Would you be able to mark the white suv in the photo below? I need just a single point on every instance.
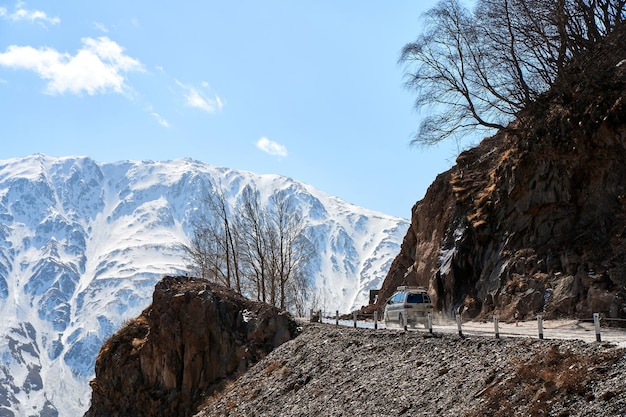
(408, 303)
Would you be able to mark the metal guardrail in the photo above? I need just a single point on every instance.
(469, 327)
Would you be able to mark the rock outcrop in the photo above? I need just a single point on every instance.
(533, 219)
(192, 337)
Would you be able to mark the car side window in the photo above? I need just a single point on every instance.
(415, 299)
(396, 298)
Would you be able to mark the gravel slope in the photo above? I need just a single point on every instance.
(339, 371)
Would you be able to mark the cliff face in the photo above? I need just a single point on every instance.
(533, 219)
(193, 336)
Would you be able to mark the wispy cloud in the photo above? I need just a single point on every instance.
(160, 120)
(197, 99)
(271, 147)
(101, 27)
(98, 67)
(34, 16)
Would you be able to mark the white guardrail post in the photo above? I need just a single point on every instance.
(496, 328)
(596, 324)
(459, 323)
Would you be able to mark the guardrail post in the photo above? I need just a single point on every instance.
(430, 323)
(354, 318)
(540, 325)
(596, 324)
(336, 317)
(319, 312)
(496, 327)
(459, 324)
(375, 320)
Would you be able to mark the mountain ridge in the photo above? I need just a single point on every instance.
(82, 244)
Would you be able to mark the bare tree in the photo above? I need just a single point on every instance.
(202, 253)
(261, 250)
(213, 245)
(277, 250)
(289, 249)
(477, 69)
(252, 227)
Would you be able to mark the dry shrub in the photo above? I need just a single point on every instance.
(516, 284)
(533, 387)
(231, 404)
(276, 365)
(273, 365)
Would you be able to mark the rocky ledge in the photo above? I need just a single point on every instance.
(193, 337)
(339, 371)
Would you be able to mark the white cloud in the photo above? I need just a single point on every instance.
(101, 27)
(97, 67)
(160, 120)
(195, 98)
(271, 147)
(34, 16)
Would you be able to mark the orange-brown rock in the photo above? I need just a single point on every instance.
(193, 336)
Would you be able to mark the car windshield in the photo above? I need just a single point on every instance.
(415, 299)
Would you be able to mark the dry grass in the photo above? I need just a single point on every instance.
(276, 366)
(127, 338)
(516, 284)
(273, 365)
(533, 387)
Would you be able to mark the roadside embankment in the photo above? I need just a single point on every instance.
(342, 371)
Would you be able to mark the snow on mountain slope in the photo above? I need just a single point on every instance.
(82, 245)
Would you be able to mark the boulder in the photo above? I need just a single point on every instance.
(192, 337)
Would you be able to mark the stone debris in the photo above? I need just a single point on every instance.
(342, 371)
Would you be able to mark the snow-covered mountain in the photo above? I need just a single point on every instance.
(82, 245)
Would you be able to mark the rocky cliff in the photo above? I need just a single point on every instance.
(533, 219)
(194, 336)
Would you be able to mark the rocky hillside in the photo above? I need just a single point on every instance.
(203, 350)
(533, 218)
(329, 371)
(191, 338)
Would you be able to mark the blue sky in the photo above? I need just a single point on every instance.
(307, 89)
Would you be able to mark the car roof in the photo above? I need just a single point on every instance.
(411, 289)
